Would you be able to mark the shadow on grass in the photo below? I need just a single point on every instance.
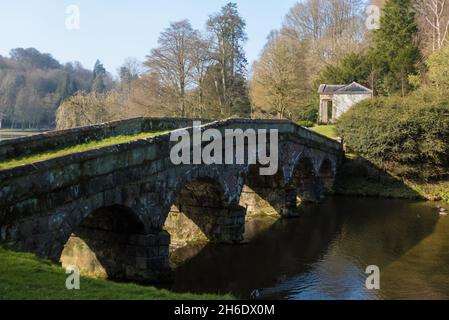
(359, 177)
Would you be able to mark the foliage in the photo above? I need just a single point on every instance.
(195, 74)
(438, 64)
(23, 276)
(306, 124)
(277, 85)
(409, 136)
(33, 84)
(445, 196)
(227, 33)
(353, 67)
(396, 53)
(85, 109)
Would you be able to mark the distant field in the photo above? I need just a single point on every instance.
(328, 131)
(6, 134)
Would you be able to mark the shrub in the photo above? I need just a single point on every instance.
(306, 123)
(407, 136)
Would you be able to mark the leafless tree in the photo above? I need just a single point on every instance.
(172, 60)
(435, 13)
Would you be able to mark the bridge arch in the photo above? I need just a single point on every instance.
(304, 180)
(326, 175)
(101, 244)
(202, 211)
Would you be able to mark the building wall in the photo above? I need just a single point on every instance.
(343, 102)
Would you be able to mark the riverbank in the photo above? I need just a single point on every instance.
(359, 177)
(25, 277)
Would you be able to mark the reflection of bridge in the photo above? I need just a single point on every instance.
(117, 199)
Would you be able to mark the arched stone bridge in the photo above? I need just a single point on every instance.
(117, 199)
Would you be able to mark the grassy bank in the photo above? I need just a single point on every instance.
(12, 163)
(359, 177)
(23, 276)
(328, 131)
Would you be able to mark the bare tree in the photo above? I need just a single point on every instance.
(435, 13)
(172, 60)
(278, 85)
(202, 60)
(331, 27)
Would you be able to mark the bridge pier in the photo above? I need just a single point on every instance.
(202, 224)
(149, 257)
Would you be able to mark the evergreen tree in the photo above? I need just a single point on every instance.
(396, 51)
(354, 67)
(99, 73)
(227, 29)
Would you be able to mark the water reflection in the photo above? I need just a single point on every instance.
(324, 254)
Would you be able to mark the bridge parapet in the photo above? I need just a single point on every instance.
(53, 140)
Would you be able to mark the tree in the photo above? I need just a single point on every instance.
(129, 72)
(435, 21)
(354, 67)
(438, 64)
(85, 109)
(172, 60)
(99, 74)
(330, 27)
(35, 59)
(228, 35)
(396, 51)
(202, 60)
(277, 85)
(33, 84)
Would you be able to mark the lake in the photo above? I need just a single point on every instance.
(324, 254)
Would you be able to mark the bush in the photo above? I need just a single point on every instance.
(306, 123)
(407, 136)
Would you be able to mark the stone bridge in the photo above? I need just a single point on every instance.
(117, 199)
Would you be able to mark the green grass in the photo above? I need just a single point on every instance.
(328, 131)
(12, 163)
(24, 277)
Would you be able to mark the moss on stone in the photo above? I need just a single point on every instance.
(12, 163)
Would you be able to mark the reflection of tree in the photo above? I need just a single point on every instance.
(380, 231)
(422, 272)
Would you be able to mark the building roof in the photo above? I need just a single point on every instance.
(353, 88)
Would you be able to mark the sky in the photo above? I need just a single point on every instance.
(113, 30)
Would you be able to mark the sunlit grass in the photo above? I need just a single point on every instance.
(25, 277)
(12, 163)
(328, 131)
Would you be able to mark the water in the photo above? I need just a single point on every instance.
(324, 254)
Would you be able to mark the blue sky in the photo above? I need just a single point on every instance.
(112, 30)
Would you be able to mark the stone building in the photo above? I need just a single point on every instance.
(335, 100)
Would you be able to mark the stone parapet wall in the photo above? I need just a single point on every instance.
(54, 140)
